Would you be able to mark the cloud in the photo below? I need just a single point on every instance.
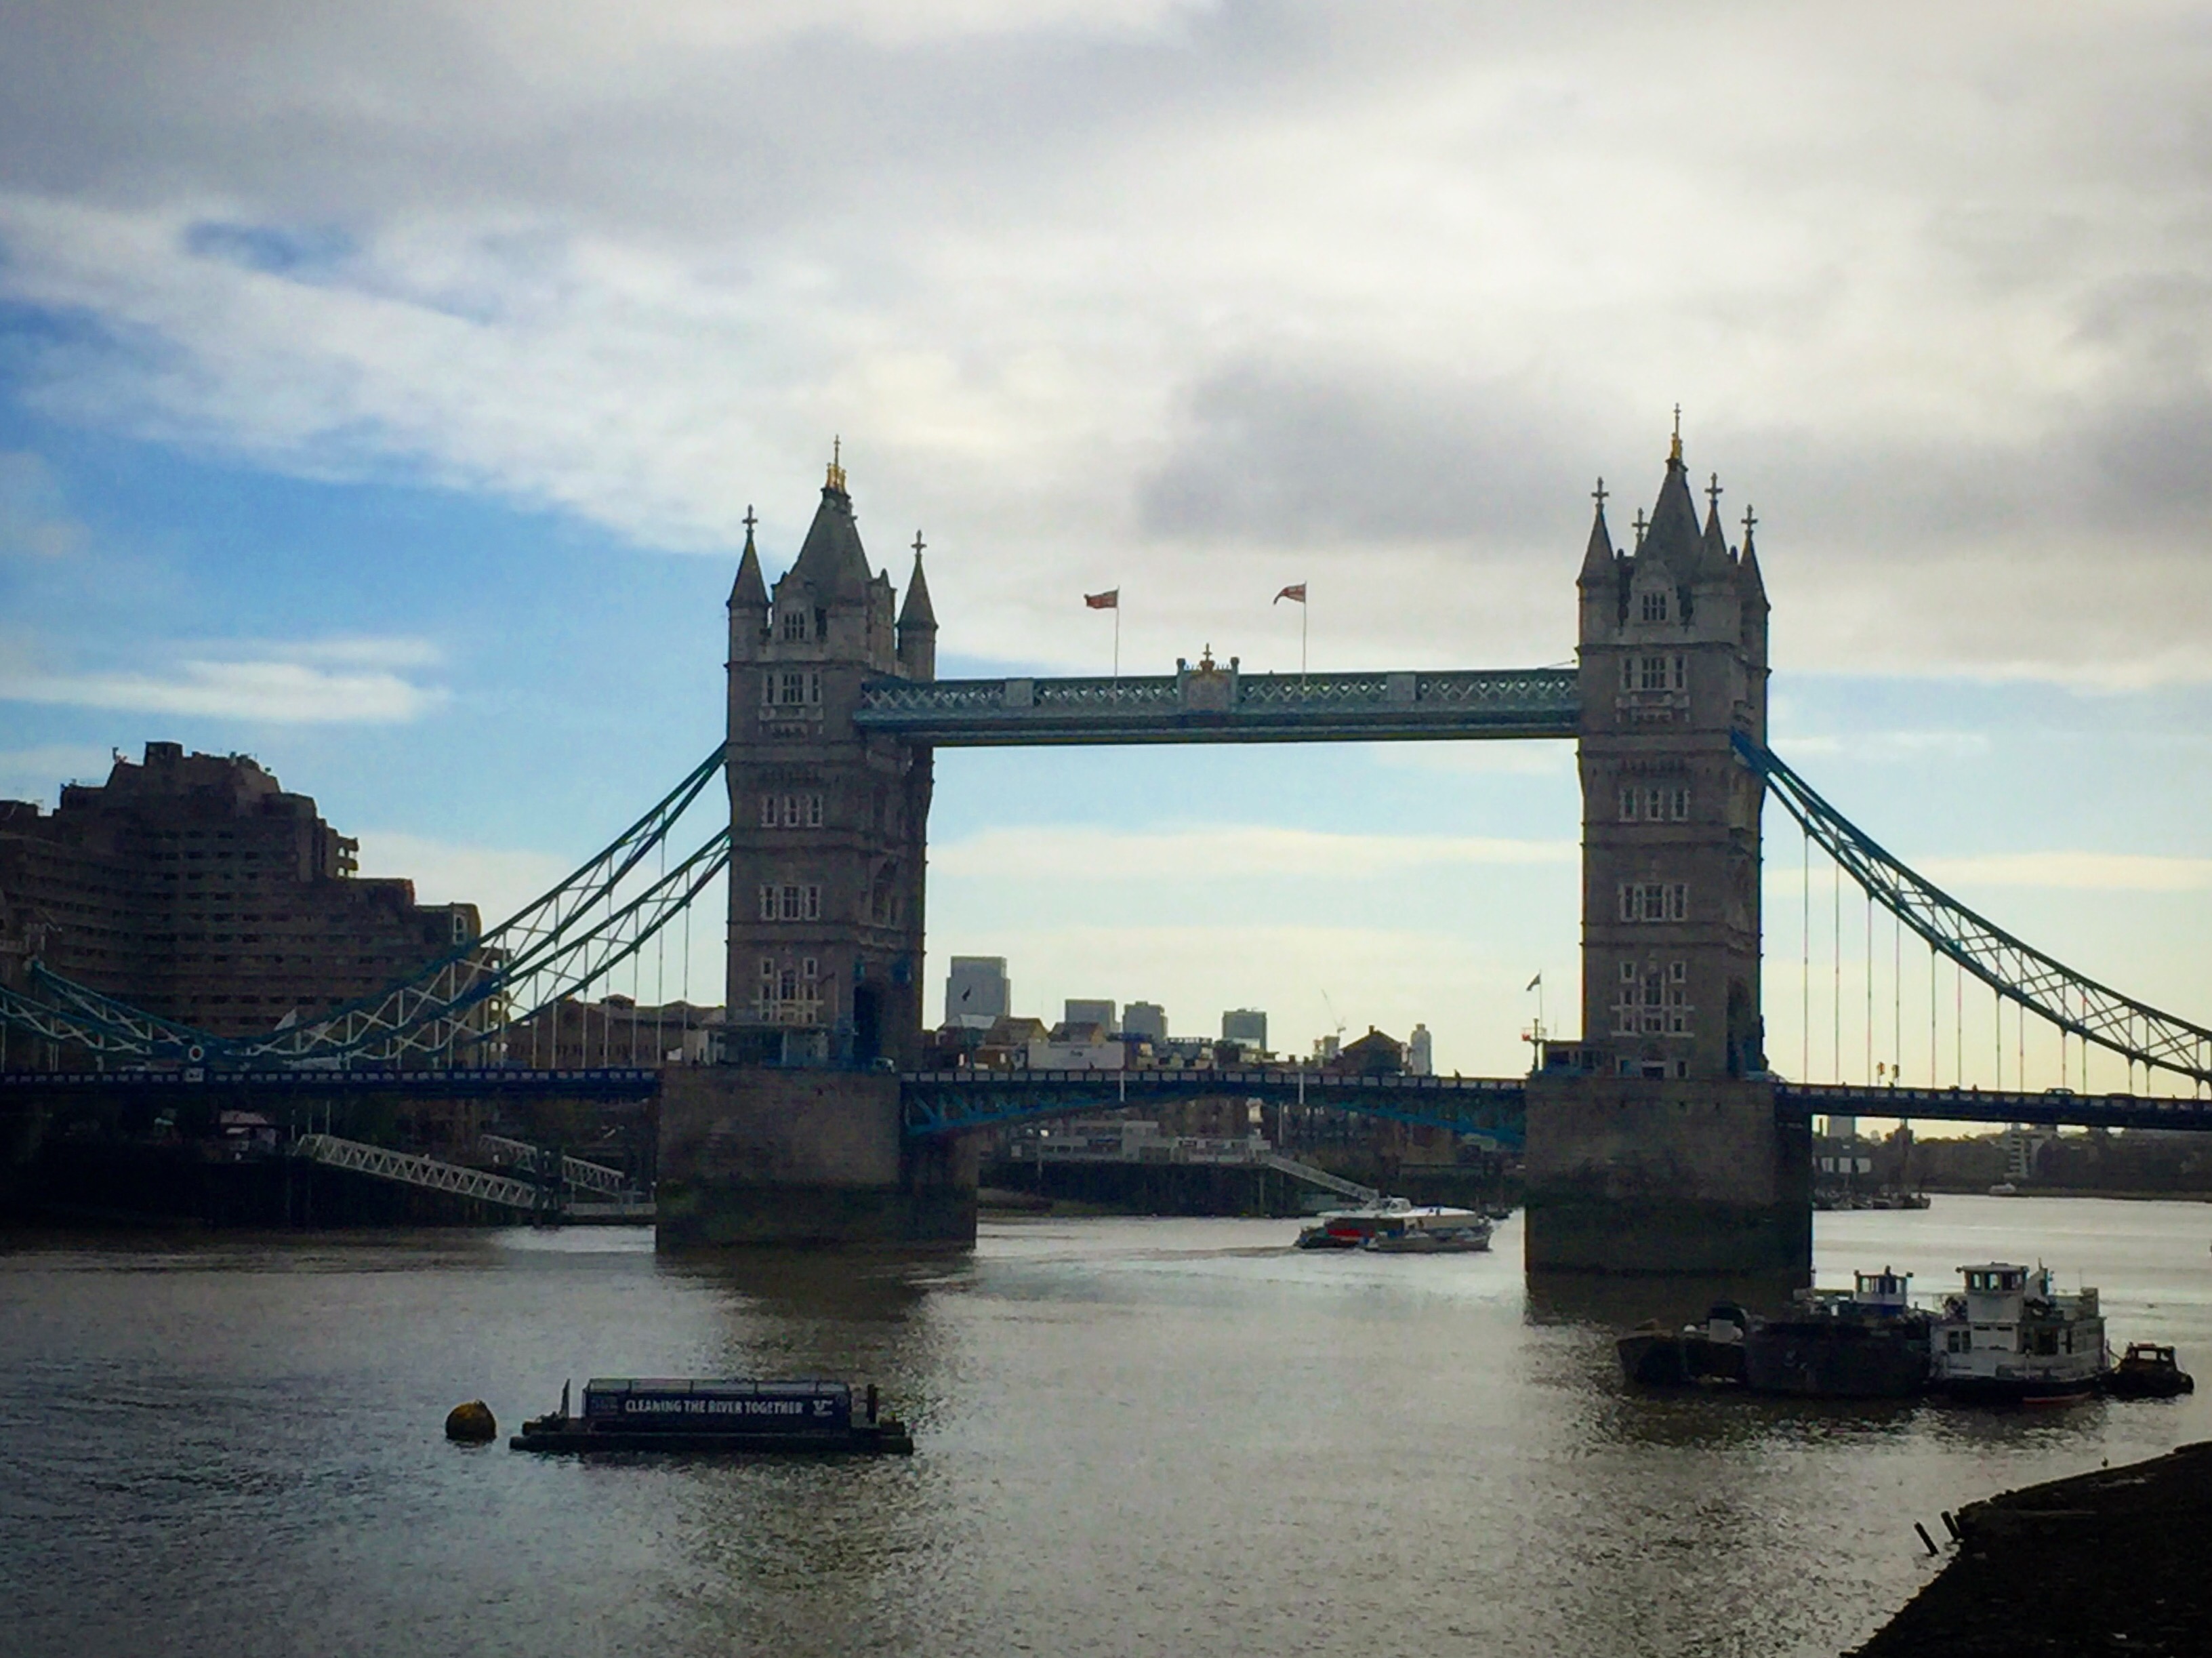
(1055, 852)
(33, 521)
(272, 691)
(1191, 298)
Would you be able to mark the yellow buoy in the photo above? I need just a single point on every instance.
(471, 1422)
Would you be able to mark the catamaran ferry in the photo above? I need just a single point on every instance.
(1396, 1226)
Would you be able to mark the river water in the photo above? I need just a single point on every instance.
(1170, 1436)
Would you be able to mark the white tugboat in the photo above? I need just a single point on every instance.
(2011, 1336)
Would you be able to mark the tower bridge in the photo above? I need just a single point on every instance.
(1660, 1140)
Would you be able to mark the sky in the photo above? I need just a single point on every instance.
(382, 390)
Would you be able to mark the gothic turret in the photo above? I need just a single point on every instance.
(917, 625)
(1670, 673)
(826, 819)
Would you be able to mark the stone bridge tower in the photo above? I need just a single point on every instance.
(1653, 1146)
(1673, 664)
(828, 824)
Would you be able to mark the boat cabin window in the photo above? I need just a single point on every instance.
(1995, 1283)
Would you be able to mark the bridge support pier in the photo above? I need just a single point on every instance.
(1624, 1175)
(761, 1155)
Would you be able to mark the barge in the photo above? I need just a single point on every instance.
(672, 1414)
(1867, 1342)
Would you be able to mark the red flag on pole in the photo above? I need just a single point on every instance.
(1110, 600)
(1296, 590)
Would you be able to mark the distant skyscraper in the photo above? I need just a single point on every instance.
(1246, 1025)
(1146, 1019)
(1419, 1062)
(976, 992)
(1101, 1014)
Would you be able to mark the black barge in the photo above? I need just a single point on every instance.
(629, 1414)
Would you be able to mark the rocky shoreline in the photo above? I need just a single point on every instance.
(2111, 1561)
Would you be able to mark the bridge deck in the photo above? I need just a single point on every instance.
(1226, 706)
(2053, 1108)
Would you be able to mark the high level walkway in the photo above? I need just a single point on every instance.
(1210, 704)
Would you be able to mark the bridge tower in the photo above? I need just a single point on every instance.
(1654, 1145)
(797, 1139)
(827, 825)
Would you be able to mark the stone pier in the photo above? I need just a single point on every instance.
(1626, 1175)
(765, 1155)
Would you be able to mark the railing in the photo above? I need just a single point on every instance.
(1321, 1178)
(595, 1177)
(428, 1173)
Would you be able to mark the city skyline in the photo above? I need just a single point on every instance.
(425, 485)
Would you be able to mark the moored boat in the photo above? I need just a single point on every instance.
(627, 1414)
(2148, 1370)
(2011, 1337)
(1653, 1356)
(1867, 1342)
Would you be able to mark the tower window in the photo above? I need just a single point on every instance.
(1653, 675)
(1630, 804)
(1655, 607)
(767, 811)
(794, 624)
(1655, 900)
(793, 688)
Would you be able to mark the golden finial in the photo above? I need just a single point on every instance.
(836, 472)
(1674, 454)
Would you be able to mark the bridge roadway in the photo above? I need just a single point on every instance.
(1206, 704)
(957, 1101)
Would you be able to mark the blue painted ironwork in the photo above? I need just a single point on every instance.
(956, 1101)
(454, 1008)
(276, 1086)
(2018, 972)
(1205, 704)
(2052, 1108)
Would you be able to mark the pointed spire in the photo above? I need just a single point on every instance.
(1598, 559)
(1673, 537)
(750, 592)
(1747, 566)
(831, 562)
(916, 616)
(1715, 547)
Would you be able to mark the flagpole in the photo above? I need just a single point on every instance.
(1117, 644)
(1303, 608)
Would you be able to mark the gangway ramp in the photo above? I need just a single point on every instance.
(411, 1169)
(1322, 1178)
(592, 1177)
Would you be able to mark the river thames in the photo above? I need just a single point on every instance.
(1133, 1436)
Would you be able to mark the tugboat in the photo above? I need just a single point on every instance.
(2148, 1370)
(1865, 1343)
(2012, 1338)
(623, 1414)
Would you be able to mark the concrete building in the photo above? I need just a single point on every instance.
(1101, 1014)
(827, 823)
(977, 992)
(1147, 1021)
(1420, 1058)
(194, 886)
(1246, 1026)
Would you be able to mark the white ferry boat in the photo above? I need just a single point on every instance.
(1396, 1226)
(2011, 1336)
